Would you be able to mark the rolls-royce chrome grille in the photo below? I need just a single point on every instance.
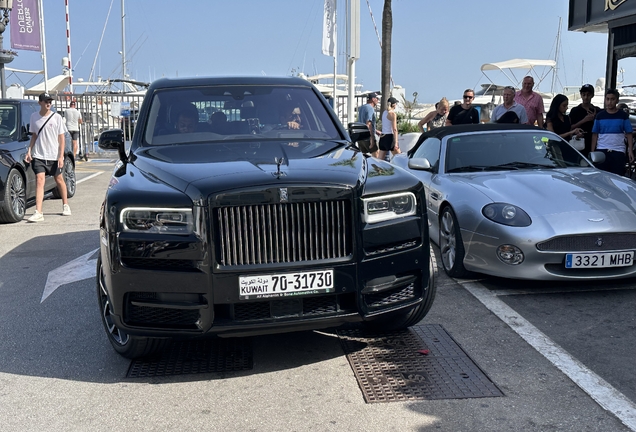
(284, 233)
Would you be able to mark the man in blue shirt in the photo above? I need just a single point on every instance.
(366, 115)
(611, 127)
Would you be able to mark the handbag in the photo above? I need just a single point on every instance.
(577, 143)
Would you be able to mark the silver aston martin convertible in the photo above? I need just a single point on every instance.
(519, 202)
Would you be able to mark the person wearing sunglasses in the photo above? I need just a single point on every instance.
(46, 154)
(464, 113)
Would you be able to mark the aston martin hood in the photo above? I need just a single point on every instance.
(564, 196)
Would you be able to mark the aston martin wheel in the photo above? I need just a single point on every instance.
(69, 179)
(13, 205)
(403, 320)
(126, 345)
(450, 244)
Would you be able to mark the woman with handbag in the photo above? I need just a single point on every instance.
(558, 121)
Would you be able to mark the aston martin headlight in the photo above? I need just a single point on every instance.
(507, 214)
(387, 207)
(157, 220)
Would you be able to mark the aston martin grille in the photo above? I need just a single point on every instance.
(284, 233)
(589, 242)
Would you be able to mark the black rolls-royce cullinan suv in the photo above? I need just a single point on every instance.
(17, 179)
(243, 208)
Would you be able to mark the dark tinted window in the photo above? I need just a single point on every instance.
(222, 113)
(9, 128)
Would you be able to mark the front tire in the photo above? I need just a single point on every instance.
(128, 346)
(13, 205)
(451, 245)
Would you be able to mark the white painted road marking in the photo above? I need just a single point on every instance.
(90, 177)
(79, 269)
(600, 390)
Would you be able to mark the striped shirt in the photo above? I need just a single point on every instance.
(611, 129)
(533, 105)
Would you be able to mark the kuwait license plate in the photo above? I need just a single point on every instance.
(599, 260)
(286, 284)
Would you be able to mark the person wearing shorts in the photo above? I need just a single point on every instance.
(389, 138)
(46, 152)
(73, 120)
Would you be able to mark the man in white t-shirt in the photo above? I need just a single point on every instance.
(73, 120)
(46, 151)
(509, 105)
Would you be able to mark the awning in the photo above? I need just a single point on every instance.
(517, 64)
(55, 84)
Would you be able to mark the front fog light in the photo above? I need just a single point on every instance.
(510, 254)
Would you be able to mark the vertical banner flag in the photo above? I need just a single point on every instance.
(25, 25)
(329, 29)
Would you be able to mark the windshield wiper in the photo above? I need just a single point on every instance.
(473, 168)
(517, 165)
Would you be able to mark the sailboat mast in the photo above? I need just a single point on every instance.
(556, 57)
(123, 41)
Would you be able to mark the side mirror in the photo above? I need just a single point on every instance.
(597, 157)
(113, 139)
(25, 134)
(358, 131)
(420, 164)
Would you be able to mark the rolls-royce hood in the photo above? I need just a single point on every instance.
(562, 197)
(202, 169)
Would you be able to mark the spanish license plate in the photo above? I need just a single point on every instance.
(599, 260)
(286, 284)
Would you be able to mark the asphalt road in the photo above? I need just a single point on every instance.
(59, 373)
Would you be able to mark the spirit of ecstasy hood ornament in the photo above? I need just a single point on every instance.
(279, 162)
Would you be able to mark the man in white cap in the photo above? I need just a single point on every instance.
(46, 151)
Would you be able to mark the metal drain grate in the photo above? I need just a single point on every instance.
(389, 367)
(196, 356)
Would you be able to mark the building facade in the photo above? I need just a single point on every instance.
(617, 18)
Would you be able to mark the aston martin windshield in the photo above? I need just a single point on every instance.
(516, 150)
(240, 112)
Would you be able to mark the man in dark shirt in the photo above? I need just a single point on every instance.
(464, 113)
(582, 116)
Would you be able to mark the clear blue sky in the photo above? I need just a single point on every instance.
(438, 46)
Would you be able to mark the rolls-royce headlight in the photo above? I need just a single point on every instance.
(157, 220)
(506, 214)
(389, 207)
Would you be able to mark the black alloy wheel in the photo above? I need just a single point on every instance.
(126, 345)
(69, 179)
(13, 206)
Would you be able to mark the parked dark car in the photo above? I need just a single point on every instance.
(272, 222)
(17, 179)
